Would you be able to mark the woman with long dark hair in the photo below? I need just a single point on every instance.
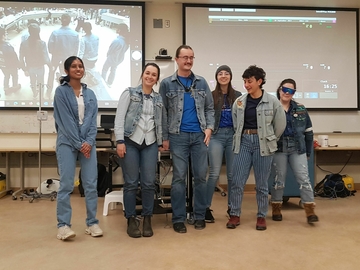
(75, 113)
(221, 141)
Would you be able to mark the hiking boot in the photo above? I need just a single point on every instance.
(179, 227)
(276, 211)
(199, 224)
(261, 224)
(233, 222)
(208, 216)
(94, 230)
(147, 230)
(310, 214)
(65, 232)
(133, 228)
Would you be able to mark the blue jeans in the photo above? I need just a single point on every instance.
(139, 167)
(183, 146)
(249, 156)
(299, 165)
(66, 157)
(220, 143)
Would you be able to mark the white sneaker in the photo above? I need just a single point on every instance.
(94, 230)
(65, 232)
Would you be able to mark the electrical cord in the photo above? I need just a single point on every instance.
(346, 163)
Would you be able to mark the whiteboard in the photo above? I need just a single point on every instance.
(25, 122)
(330, 121)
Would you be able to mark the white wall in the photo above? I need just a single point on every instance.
(170, 38)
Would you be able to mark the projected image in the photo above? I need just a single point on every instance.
(36, 38)
(316, 47)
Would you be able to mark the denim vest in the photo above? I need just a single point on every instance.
(302, 127)
(218, 109)
(172, 92)
(271, 121)
(135, 110)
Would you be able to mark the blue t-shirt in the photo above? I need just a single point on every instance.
(288, 132)
(226, 117)
(189, 121)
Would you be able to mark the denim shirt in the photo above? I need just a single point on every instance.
(218, 109)
(66, 114)
(271, 122)
(172, 92)
(302, 128)
(125, 123)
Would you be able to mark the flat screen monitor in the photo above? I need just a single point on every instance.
(107, 36)
(317, 47)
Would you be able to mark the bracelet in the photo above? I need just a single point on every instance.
(120, 141)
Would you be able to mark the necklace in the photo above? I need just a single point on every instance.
(147, 96)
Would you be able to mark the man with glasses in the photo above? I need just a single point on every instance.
(187, 129)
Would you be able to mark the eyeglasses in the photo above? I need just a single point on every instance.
(288, 90)
(186, 58)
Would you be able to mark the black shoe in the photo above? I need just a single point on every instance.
(208, 216)
(147, 230)
(199, 224)
(133, 228)
(179, 227)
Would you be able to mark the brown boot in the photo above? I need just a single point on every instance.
(276, 211)
(310, 214)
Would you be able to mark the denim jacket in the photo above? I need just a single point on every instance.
(126, 125)
(172, 92)
(218, 109)
(66, 114)
(302, 127)
(271, 121)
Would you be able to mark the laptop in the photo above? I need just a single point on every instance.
(107, 121)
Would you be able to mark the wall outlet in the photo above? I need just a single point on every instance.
(167, 23)
(42, 115)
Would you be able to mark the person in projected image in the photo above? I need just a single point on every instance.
(33, 56)
(138, 132)
(221, 141)
(259, 120)
(115, 54)
(75, 114)
(89, 46)
(89, 51)
(9, 64)
(62, 43)
(187, 131)
(294, 148)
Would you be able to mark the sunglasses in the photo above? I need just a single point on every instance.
(288, 90)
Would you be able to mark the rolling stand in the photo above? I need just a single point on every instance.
(34, 194)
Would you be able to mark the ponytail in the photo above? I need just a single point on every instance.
(64, 79)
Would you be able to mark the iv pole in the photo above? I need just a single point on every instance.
(41, 115)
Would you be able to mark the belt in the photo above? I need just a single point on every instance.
(250, 131)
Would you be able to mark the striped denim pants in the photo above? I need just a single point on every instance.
(249, 156)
